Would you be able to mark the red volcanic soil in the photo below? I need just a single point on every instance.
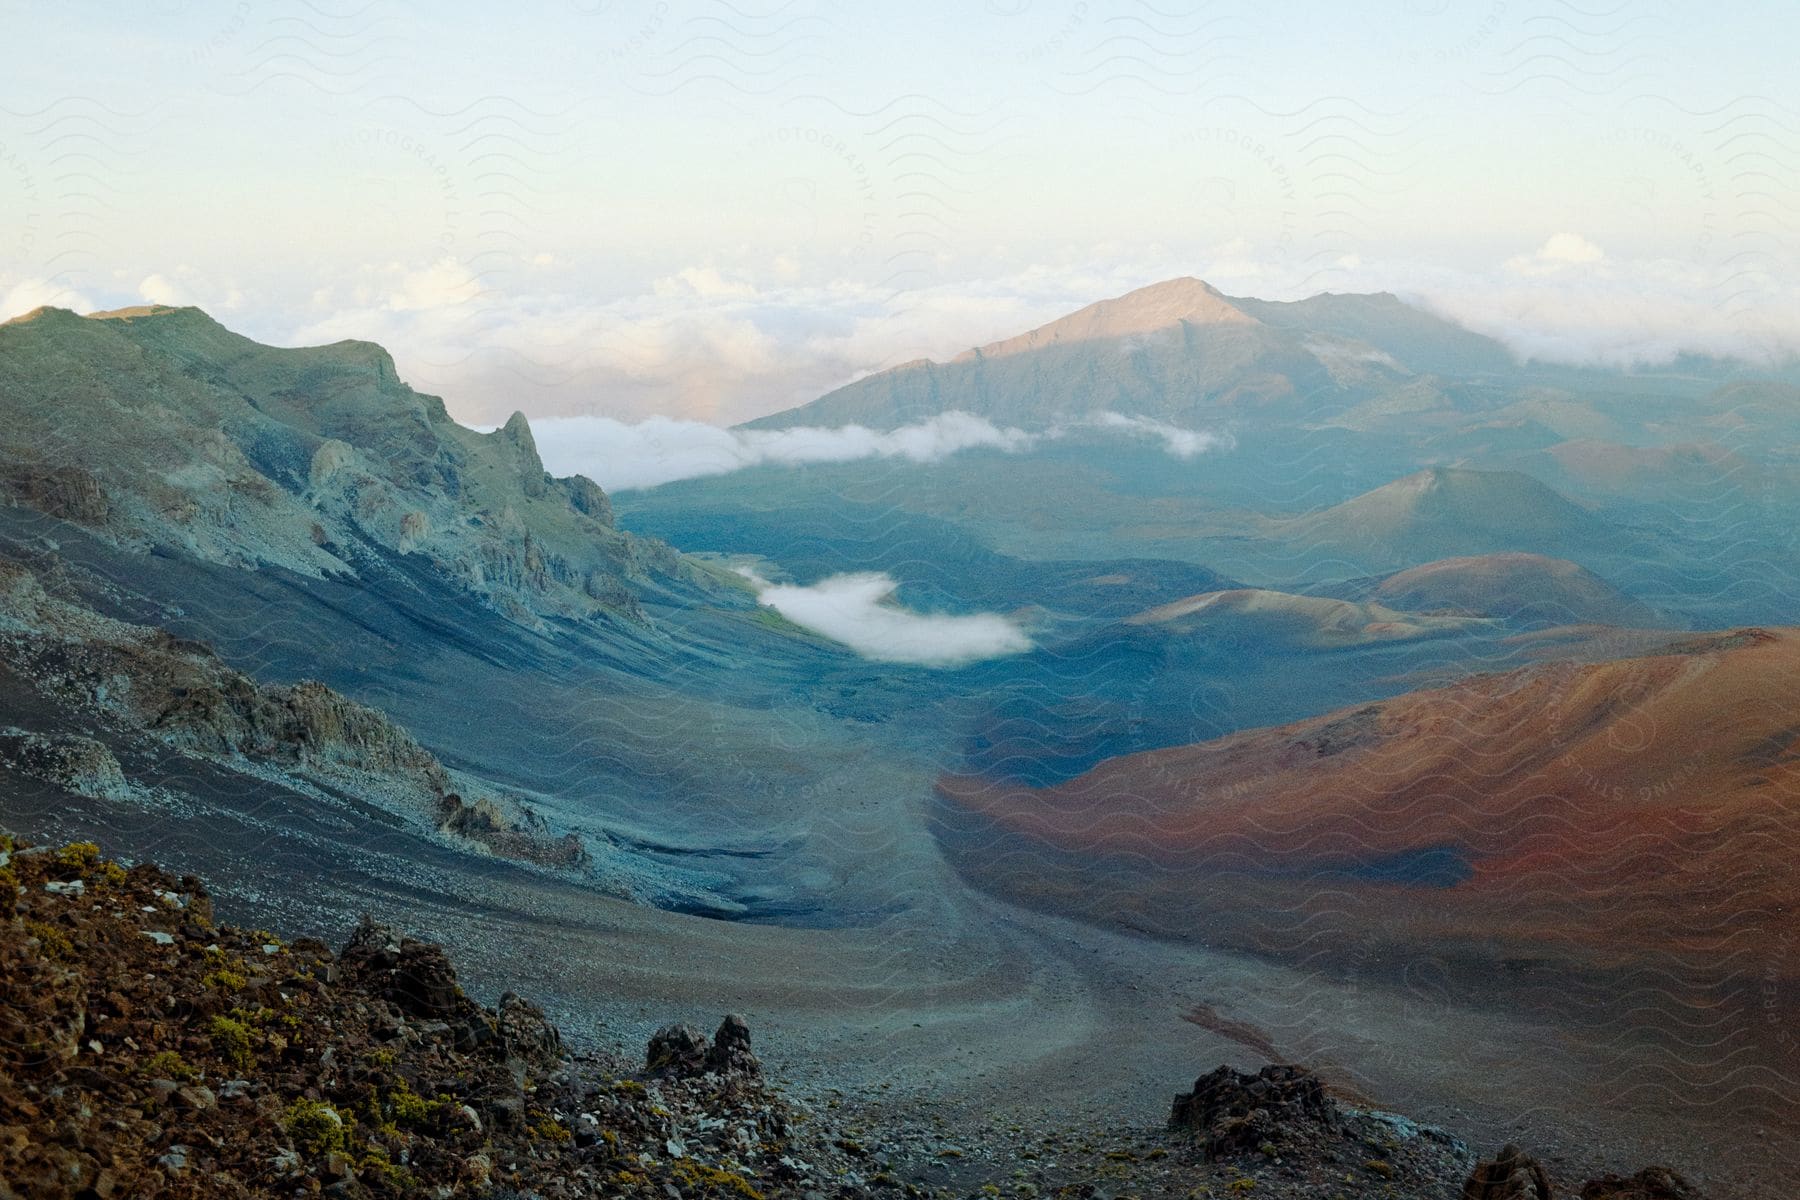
(1594, 816)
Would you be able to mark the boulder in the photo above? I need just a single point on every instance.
(679, 1050)
(70, 761)
(1651, 1183)
(424, 982)
(526, 1034)
(373, 948)
(1234, 1113)
(416, 976)
(730, 1053)
(1511, 1174)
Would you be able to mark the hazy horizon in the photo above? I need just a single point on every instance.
(715, 212)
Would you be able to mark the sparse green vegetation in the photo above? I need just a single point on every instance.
(317, 1127)
(52, 942)
(78, 856)
(225, 981)
(233, 1040)
(167, 1064)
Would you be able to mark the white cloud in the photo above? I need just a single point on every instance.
(1560, 252)
(159, 289)
(702, 343)
(705, 283)
(858, 611)
(185, 286)
(1182, 443)
(446, 283)
(21, 296)
(664, 449)
(1622, 313)
(661, 450)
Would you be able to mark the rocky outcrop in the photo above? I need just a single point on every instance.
(198, 442)
(1651, 1183)
(415, 976)
(1509, 1175)
(66, 493)
(683, 1052)
(730, 1053)
(1234, 1113)
(1513, 1174)
(678, 1050)
(72, 762)
(143, 686)
(526, 1035)
(587, 498)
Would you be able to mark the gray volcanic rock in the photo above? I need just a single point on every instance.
(417, 976)
(73, 762)
(158, 427)
(1509, 1175)
(1234, 1113)
(682, 1051)
(730, 1053)
(678, 1050)
(94, 676)
(526, 1034)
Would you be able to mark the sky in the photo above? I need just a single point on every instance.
(711, 211)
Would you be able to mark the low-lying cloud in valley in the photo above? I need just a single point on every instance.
(859, 611)
(621, 455)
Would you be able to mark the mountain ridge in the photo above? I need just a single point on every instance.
(157, 425)
(1145, 310)
(1176, 349)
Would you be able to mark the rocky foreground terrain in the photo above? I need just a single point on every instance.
(148, 1051)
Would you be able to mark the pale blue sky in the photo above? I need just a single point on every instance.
(624, 206)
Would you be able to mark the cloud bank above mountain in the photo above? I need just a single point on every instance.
(859, 611)
(621, 455)
(720, 344)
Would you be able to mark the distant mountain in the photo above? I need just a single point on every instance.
(1443, 512)
(1180, 351)
(158, 427)
(1689, 473)
(1531, 588)
(1425, 342)
(1270, 620)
